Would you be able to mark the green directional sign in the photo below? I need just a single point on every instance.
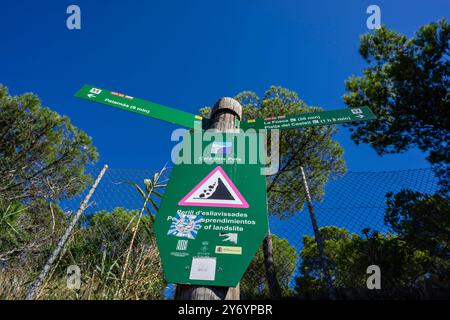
(310, 119)
(146, 108)
(213, 217)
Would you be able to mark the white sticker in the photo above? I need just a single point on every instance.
(95, 91)
(203, 268)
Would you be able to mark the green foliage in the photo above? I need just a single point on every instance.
(109, 233)
(28, 231)
(253, 284)
(152, 187)
(42, 155)
(313, 148)
(406, 84)
(421, 220)
(310, 280)
(10, 230)
(99, 246)
(403, 267)
(116, 251)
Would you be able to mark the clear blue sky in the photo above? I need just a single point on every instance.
(187, 54)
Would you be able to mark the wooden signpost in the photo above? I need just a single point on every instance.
(201, 279)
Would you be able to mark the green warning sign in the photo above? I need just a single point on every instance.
(213, 217)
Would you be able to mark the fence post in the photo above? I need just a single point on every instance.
(223, 118)
(322, 258)
(37, 283)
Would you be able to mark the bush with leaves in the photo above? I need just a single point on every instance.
(42, 155)
(253, 284)
(423, 221)
(407, 85)
(99, 247)
(406, 271)
(28, 231)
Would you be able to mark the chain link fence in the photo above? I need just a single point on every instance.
(112, 254)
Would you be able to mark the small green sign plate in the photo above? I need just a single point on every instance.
(146, 108)
(310, 119)
(212, 219)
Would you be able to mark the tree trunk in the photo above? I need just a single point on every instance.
(269, 265)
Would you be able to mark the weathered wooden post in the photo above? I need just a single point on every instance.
(225, 116)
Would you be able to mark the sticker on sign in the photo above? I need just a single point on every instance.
(203, 269)
(95, 91)
(228, 250)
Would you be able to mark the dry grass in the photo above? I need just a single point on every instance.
(143, 280)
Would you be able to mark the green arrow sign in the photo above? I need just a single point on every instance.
(188, 120)
(310, 119)
(212, 219)
(146, 108)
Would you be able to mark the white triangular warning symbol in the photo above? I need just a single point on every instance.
(215, 190)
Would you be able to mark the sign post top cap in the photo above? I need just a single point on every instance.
(227, 103)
